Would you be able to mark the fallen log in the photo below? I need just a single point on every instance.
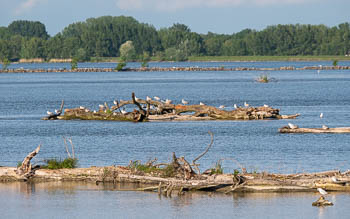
(287, 129)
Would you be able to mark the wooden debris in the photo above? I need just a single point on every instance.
(286, 129)
(25, 170)
(321, 201)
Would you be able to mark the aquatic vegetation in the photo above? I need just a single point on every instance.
(265, 78)
(120, 66)
(335, 63)
(54, 163)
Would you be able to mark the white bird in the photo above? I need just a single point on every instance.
(321, 191)
(167, 101)
(81, 107)
(235, 106)
(324, 127)
(202, 104)
(124, 111)
(115, 102)
(334, 179)
(321, 115)
(148, 98)
(57, 111)
(87, 110)
(49, 113)
(157, 98)
(246, 104)
(265, 105)
(221, 106)
(292, 126)
(101, 106)
(137, 99)
(184, 102)
(94, 111)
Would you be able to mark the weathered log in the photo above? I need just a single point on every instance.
(286, 129)
(55, 115)
(321, 201)
(25, 170)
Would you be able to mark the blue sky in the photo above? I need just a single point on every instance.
(218, 16)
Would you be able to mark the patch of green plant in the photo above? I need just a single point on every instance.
(74, 64)
(235, 172)
(120, 66)
(168, 171)
(5, 63)
(265, 78)
(54, 163)
(335, 63)
(136, 165)
(19, 163)
(217, 169)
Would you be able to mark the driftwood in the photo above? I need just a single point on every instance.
(321, 201)
(287, 129)
(25, 170)
(55, 115)
(158, 110)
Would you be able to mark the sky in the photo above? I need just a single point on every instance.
(201, 16)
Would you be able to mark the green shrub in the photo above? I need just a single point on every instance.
(74, 64)
(54, 164)
(335, 63)
(120, 66)
(5, 63)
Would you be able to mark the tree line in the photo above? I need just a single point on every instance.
(104, 37)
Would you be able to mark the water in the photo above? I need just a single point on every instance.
(77, 200)
(257, 145)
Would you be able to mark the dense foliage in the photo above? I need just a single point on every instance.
(104, 36)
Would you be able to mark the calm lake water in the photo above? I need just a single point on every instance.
(25, 98)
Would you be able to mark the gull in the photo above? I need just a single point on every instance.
(101, 106)
(334, 179)
(235, 106)
(81, 107)
(49, 113)
(184, 102)
(292, 126)
(124, 111)
(202, 104)
(156, 98)
(321, 191)
(324, 127)
(221, 106)
(57, 111)
(94, 111)
(115, 102)
(87, 110)
(246, 104)
(265, 105)
(167, 101)
(148, 98)
(321, 115)
(137, 99)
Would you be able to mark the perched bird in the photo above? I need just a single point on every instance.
(115, 102)
(167, 101)
(57, 111)
(87, 110)
(321, 115)
(321, 191)
(94, 111)
(184, 102)
(235, 106)
(324, 127)
(246, 104)
(124, 111)
(292, 126)
(221, 106)
(157, 98)
(81, 107)
(49, 113)
(137, 99)
(101, 106)
(202, 104)
(265, 105)
(148, 98)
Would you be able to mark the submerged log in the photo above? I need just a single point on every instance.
(287, 129)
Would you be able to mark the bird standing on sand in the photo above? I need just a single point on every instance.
(81, 107)
(221, 106)
(148, 98)
(246, 104)
(202, 104)
(324, 127)
(184, 102)
(265, 105)
(235, 106)
(321, 115)
(167, 101)
(321, 191)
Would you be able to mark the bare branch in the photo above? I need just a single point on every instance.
(207, 149)
(65, 143)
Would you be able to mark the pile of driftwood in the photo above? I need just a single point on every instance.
(325, 129)
(155, 109)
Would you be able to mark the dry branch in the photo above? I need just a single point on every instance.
(25, 169)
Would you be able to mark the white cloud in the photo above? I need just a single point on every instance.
(27, 5)
(171, 5)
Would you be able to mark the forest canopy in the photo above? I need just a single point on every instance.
(103, 37)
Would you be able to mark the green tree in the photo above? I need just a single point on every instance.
(127, 51)
(28, 29)
(5, 63)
